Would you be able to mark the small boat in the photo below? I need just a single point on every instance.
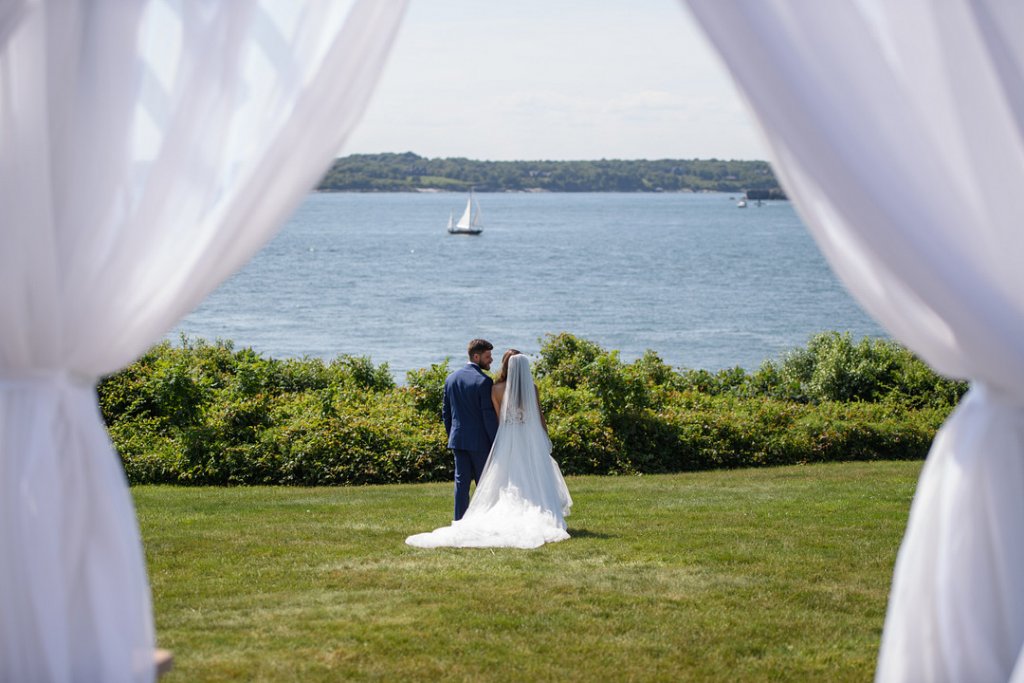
(741, 204)
(469, 224)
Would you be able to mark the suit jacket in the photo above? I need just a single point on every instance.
(468, 413)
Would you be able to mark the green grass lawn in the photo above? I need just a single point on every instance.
(749, 575)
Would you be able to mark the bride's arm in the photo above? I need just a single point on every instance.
(496, 399)
(543, 422)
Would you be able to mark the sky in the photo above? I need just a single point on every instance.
(555, 79)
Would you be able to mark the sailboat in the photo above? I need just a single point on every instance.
(469, 224)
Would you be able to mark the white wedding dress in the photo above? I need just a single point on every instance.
(521, 500)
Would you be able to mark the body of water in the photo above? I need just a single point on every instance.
(691, 276)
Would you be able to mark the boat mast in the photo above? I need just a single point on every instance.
(476, 218)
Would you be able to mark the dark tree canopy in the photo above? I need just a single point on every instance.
(409, 172)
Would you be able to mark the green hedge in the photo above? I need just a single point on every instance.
(203, 413)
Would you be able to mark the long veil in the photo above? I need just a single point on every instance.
(520, 463)
(521, 500)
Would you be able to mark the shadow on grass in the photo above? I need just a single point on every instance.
(586, 533)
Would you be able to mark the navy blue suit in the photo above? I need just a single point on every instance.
(471, 424)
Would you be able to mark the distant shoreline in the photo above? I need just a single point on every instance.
(431, 190)
(410, 172)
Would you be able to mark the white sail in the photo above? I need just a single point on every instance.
(476, 218)
(469, 223)
(464, 221)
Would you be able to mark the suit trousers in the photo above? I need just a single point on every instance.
(469, 465)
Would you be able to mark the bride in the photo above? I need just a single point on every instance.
(521, 500)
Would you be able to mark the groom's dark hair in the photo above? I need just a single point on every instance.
(479, 346)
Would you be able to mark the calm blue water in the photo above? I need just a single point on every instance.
(703, 283)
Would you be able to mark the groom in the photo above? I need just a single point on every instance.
(469, 419)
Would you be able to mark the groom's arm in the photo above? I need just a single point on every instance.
(446, 411)
(487, 409)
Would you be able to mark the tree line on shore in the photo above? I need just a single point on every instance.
(409, 172)
(205, 413)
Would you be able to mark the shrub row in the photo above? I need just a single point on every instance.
(204, 413)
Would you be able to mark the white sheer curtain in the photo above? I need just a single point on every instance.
(897, 128)
(147, 150)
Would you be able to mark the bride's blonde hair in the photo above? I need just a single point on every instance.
(504, 363)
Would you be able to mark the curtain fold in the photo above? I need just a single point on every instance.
(148, 148)
(897, 129)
